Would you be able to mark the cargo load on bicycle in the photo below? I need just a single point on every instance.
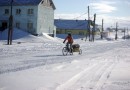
(75, 47)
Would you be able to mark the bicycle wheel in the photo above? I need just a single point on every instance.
(64, 51)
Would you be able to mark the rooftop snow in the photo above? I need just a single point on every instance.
(20, 2)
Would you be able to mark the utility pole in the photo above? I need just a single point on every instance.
(89, 23)
(124, 33)
(116, 31)
(102, 29)
(127, 31)
(93, 31)
(10, 31)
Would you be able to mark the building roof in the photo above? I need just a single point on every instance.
(19, 2)
(23, 2)
(71, 24)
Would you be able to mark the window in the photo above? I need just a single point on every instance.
(58, 32)
(17, 25)
(68, 32)
(6, 11)
(18, 11)
(81, 33)
(30, 25)
(51, 4)
(30, 11)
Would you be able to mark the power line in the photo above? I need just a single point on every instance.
(75, 18)
(80, 16)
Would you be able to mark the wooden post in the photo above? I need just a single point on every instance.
(127, 31)
(102, 29)
(89, 24)
(124, 33)
(116, 31)
(10, 31)
(93, 31)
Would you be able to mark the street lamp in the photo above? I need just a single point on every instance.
(10, 31)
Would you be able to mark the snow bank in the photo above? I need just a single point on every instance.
(17, 34)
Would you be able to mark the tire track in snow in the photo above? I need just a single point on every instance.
(104, 77)
(43, 60)
(91, 78)
(100, 76)
(74, 79)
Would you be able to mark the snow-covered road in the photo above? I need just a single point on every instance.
(29, 55)
(99, 68)
(41, 66)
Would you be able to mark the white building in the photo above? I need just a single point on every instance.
(33, 16)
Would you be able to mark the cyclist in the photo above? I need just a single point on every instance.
(69, 38)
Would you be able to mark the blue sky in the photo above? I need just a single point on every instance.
(111, 11)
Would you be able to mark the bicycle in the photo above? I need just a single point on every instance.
(75, 48)
(67, 50)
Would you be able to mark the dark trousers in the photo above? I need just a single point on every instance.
(69, 46)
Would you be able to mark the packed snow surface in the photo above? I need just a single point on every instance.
(37, 63)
